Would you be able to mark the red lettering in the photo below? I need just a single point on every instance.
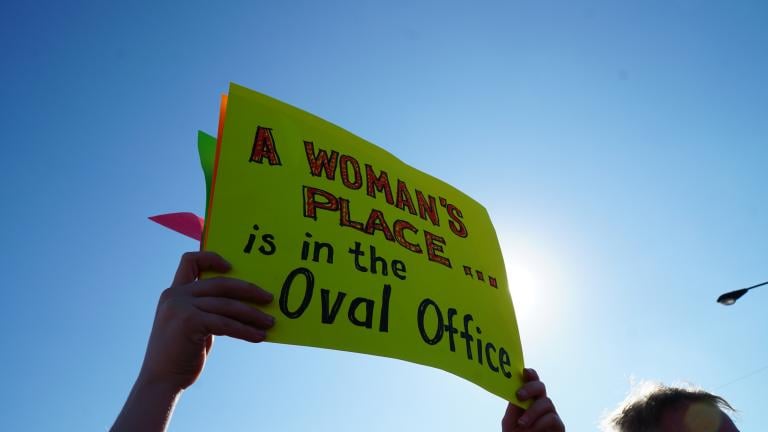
(320, 161)
(456, 224)
(378, 183)
(345, 219)
(404, 197)
(398, 227)
(376, 221)
(311, 203)
(264, 147)
(427, 207)
(435, 245)
(345, 161)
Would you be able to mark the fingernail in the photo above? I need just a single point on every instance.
(522, 394)
(271, 320)
(261, 334)
(270, 296)
(523, 420)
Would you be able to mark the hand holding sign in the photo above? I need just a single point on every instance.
(192, 311)
(189, 314)
(411, 271)
(541, 416)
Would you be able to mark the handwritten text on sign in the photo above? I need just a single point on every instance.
(363, 252)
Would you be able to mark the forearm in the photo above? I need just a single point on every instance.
(148, 408)
(189, 314)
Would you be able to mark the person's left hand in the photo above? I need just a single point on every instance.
(189, 314)
(541, 416)
(192, 311)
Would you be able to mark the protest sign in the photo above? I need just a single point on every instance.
(362, 252)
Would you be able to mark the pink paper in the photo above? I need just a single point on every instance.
(189, 224)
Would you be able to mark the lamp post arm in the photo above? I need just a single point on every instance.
(758, 285)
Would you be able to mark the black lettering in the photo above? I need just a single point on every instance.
(319, 247)
(467, 336)
(377, 260)
(398, 267)
(305, 247)
(504, 361)
(451, 329)
(285, 292)
(488, 347)
(358, 253)
(329, 314)
(423, 306)
(268, 239)
(251, 239)
(355, 305)
(384, 318)
(479, 346)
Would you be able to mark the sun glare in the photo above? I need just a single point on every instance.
(522, 285)
(532, 275)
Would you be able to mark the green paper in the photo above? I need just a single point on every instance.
(405, 266)
(206, 149)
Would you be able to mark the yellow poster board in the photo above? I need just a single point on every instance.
(362, 252)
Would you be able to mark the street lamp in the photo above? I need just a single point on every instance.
(730, 298)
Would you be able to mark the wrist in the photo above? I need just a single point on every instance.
(149, 406)
(151, 384)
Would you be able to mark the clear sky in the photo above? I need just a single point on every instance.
(620, 147)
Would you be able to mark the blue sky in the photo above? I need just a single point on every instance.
(620, 148)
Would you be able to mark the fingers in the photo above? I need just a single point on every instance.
(530, 374)
(541, 416)
(220, 325)
(236, 310)
(513, 413)
(550, 422)
(539, 409)
(231, 288)
(218, 301)
(193, 263)
(532, 390)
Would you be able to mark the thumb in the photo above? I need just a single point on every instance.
(194, 263)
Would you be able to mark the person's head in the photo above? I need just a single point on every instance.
(673, 409)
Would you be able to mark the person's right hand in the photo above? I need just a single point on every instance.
(541, 416)
(192, 311)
